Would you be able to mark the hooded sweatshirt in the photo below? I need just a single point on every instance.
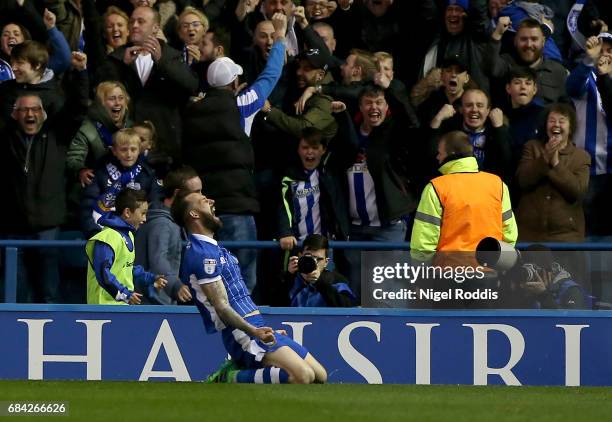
(103, 257)
(159, 246)
(47, 89)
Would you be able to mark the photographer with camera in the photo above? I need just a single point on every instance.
(539, 282)
(308, 281)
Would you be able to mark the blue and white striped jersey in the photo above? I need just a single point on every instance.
(252, 99)
(362, 194)
(205, 262)
(593, 128)
(306, 206)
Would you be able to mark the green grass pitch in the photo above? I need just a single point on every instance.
(164, 401)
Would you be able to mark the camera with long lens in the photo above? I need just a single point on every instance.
(306, 264)
(526, 273)
(506, 259)
(497, 255)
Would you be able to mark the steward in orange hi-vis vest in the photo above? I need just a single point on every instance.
(460, 208)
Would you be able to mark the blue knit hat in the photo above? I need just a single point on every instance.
(465, 4)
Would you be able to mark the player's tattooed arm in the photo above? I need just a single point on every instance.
(217, 295)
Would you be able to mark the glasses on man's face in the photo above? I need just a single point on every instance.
(194, 24)
(35, 109)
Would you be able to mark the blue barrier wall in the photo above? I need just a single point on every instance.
(359, 345)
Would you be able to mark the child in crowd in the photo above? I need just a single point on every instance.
(311, 198)
(148, 136)
(523, 113)
(160, 162)
(111, 272)
(123, 169)
(384, 63)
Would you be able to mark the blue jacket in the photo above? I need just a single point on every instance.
(6, 71)
(145, 180)
(330, 290)
(577, 81)
(104, 256)
(61, 56)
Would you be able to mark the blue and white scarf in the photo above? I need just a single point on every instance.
(118, 181)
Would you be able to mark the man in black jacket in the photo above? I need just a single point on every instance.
(380, 172)
(485, 127)
(32, 76)
(463, 36)
(216, 144)
(32, 164)
(158, 82)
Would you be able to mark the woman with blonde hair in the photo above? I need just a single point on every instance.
(116, 30)
(107, 114)
(191, 27)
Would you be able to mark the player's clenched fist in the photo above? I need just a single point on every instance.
(265, 334)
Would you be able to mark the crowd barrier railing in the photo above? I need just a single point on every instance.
(12, 247)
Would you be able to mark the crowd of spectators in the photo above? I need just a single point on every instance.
(324, 120)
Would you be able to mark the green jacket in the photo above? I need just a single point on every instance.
(427, 223)
(87, 146)
(317, 113)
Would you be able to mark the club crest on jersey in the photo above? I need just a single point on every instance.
(210, 265)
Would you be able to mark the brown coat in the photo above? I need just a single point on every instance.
(550, 209)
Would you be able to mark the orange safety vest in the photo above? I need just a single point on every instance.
(471, 209)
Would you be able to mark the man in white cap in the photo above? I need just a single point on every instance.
(216, 144)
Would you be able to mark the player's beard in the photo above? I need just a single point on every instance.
(211, 222)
